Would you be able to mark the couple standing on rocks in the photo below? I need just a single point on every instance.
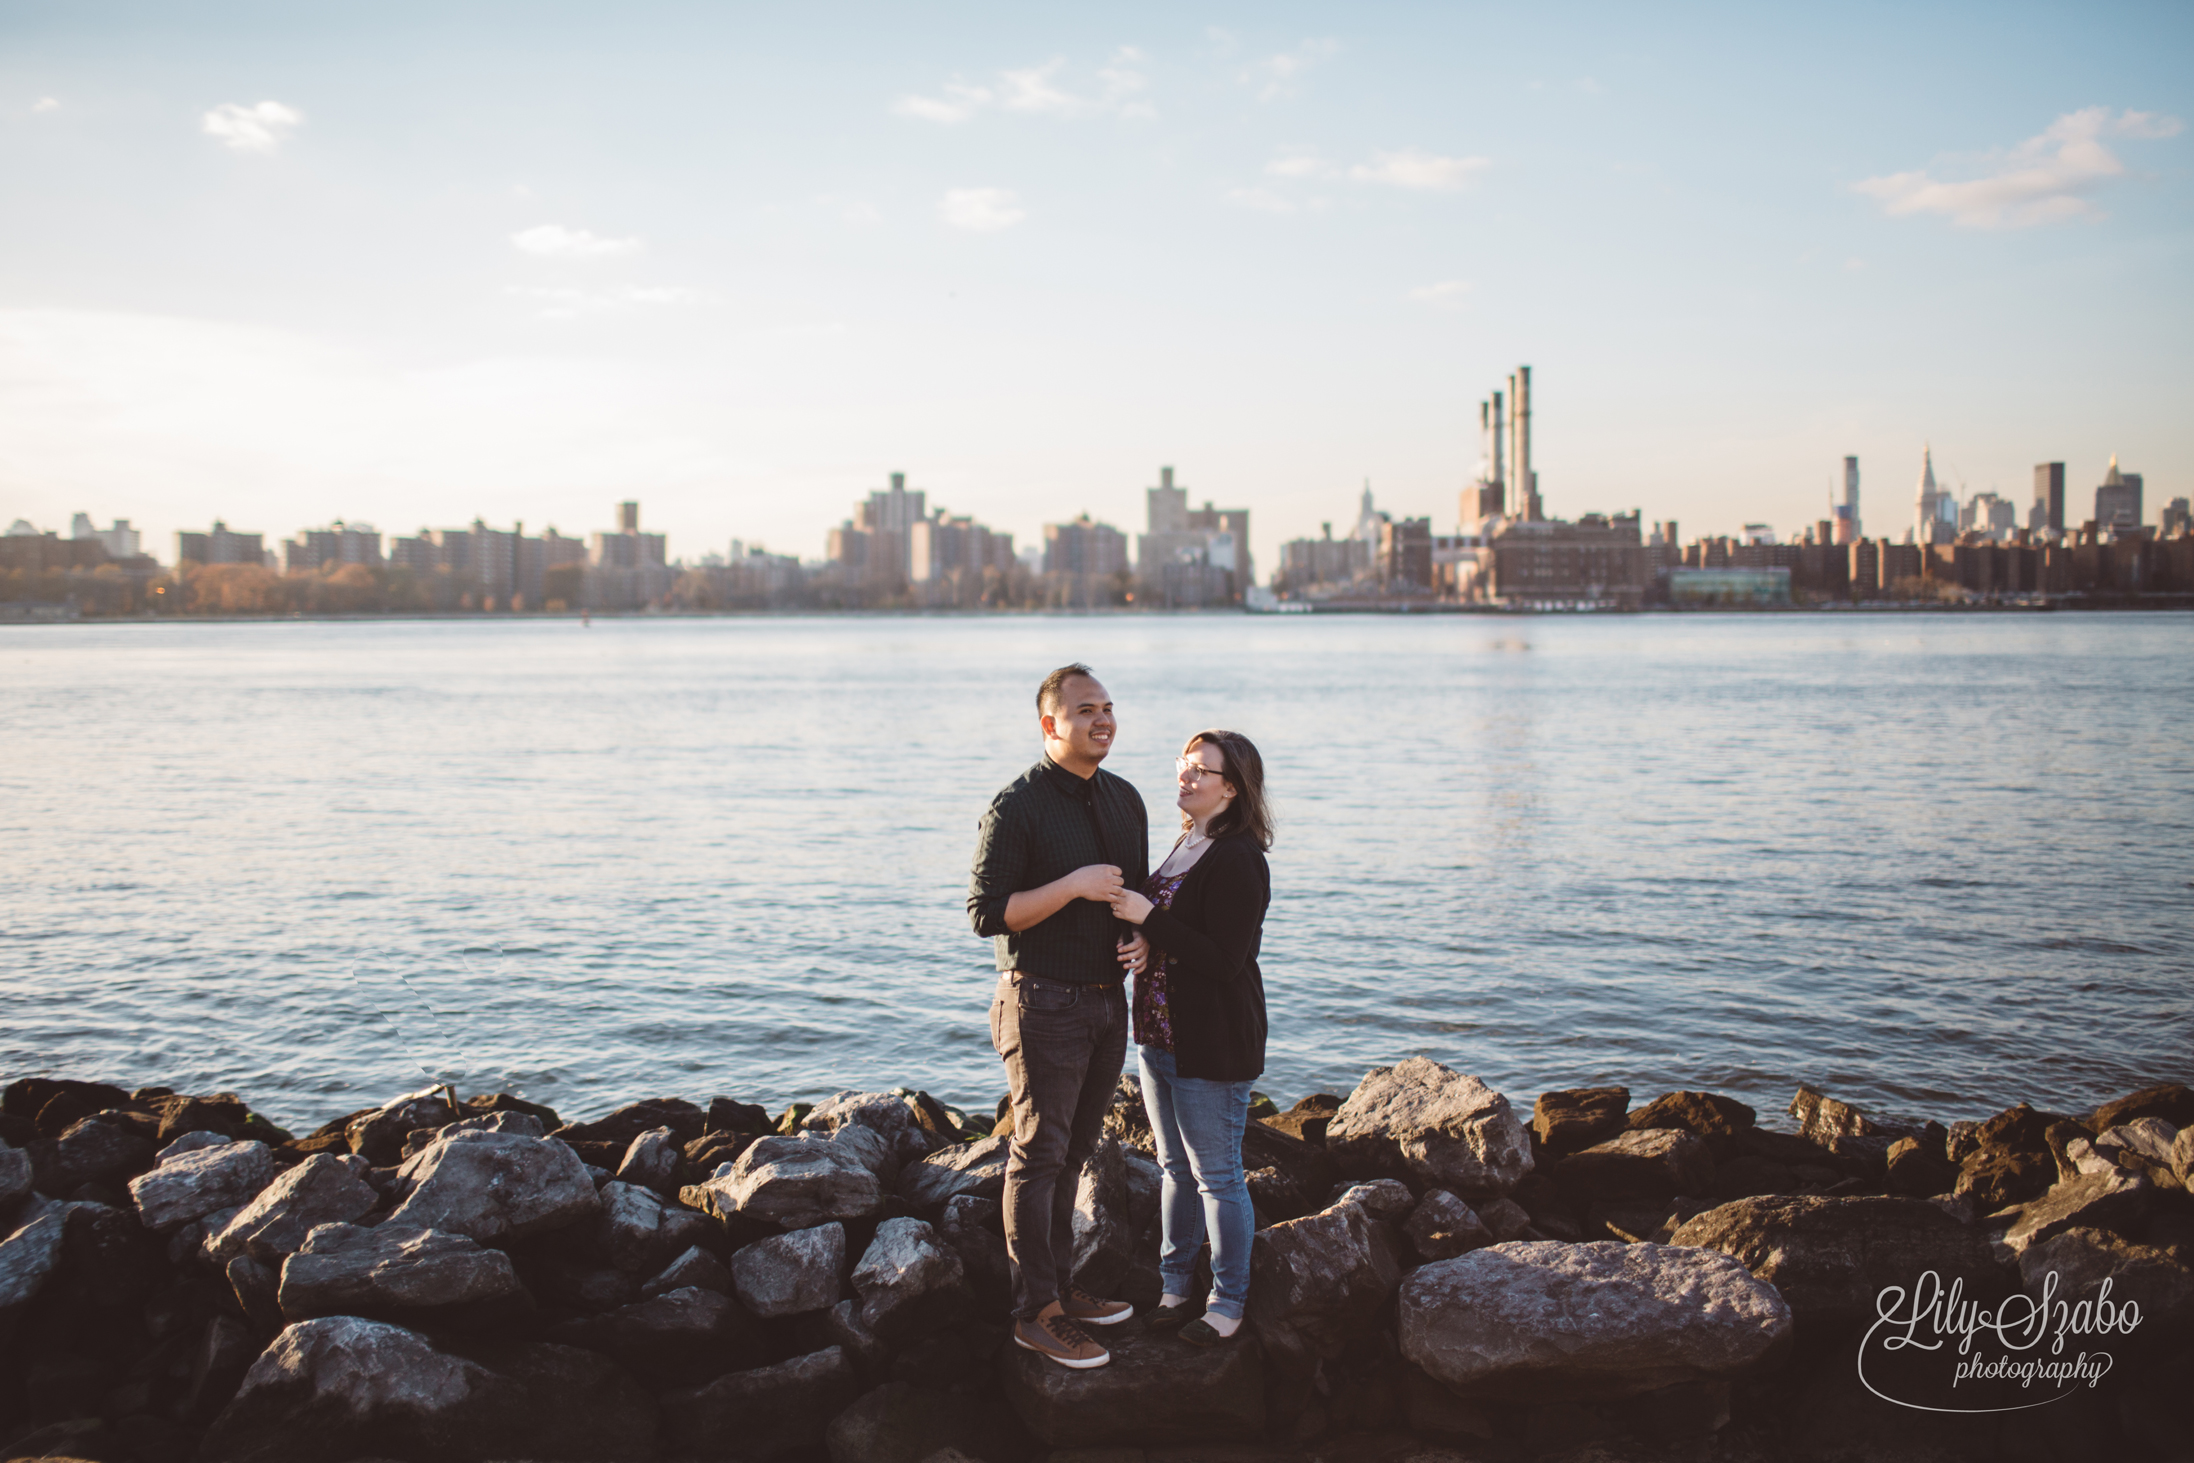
(1063, 885)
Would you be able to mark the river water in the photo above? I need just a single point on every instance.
(1934, 864)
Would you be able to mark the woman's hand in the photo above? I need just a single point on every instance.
(1130, 906)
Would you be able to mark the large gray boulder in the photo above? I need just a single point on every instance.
(640, 1233)
(696, 1268)
(2073, 1267)
(2150, 1137)
(194, 1184)
(910, 1282)
(1831, 1257)
(1446, 1128)
(379, 1135)
(2112, 1200)
(97, 1149)
(323, 1189)
(681, 1338)
(891, 1117)
(651, 1161)
(1156, 1389)
(973, 1227)
(342, 1388)
(763, 1413)
(1533, 1321)
(1442, 1226)
(398, 1272)
(495, 1187)
(1318, 1282)
(1105, 1234)
(30, 1249)
(15, 1179)
(1648, 1163)
(1578, 1117)
(790, 1274)
(965, 1168)
(790, 1183)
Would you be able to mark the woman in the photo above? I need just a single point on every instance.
(1199, 1018)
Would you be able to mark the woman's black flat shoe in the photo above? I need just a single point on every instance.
(1172, 1318)
(1199, 1332)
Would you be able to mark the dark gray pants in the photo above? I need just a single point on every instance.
(1063, 1046)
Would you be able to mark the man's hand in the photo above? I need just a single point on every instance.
(1098, 882)
(1095, 882)
(1135, 954)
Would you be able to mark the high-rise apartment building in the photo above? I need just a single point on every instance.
(2118, 500)
(220, 545)
(338, 543)
(1846, 528)
(120, 542)
(2047, 512)
(1191, 556)
(1935, 514)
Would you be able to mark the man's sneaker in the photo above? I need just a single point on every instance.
(1054, 1335)
(1089, 1310)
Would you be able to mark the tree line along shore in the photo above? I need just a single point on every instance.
(1436, 1276)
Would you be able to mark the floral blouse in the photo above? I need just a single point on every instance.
(1153, 1016)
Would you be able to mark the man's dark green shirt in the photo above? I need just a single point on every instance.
(1046, 824)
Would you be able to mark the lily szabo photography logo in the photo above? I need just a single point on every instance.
(2028, 1351)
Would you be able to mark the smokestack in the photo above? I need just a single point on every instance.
(1527, 488)
(1500, 436)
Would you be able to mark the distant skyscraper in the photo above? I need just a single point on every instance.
(1847, 512)
(2118, 500)
(1935, 515)
(2048, 509)
(2176, 517)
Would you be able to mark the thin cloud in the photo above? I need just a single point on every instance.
(554, 241)
(561, 302)
(46, 104)
(1264, 200)
(1274, 77)
(1423, 171)
(1448, 294)
(260, 129)
(2045, 179)
(981, 210)
(959, 103)
(1038, 91)
(1300, 165)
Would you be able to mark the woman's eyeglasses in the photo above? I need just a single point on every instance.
(1195, 772)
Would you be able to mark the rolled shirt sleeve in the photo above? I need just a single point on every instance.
(1001, 856)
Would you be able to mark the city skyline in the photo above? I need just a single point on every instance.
(740, 266)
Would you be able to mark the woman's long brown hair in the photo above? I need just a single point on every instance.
(1240, 765)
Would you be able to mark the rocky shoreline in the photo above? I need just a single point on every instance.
(1436, 1276)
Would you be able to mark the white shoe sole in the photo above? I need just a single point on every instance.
(1075, 1363)
(1112, 1320)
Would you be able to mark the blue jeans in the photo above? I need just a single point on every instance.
(1197, 1123)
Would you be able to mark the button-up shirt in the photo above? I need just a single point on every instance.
(1046, 824)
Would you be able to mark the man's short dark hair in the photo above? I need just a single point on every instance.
(1048, 694)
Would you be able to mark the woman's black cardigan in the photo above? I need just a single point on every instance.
(1213, 988)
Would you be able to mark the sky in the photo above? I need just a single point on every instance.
(415, 264)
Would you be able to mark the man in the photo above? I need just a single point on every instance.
(1054, 846)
